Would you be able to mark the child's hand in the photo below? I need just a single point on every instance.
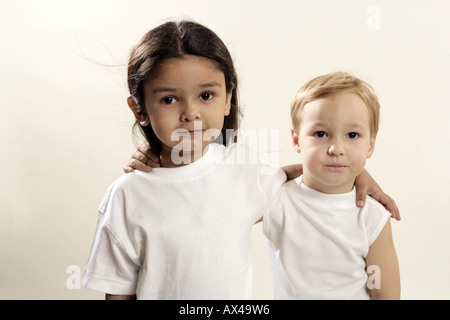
(293, 171)
(366, 185)
(143, 159)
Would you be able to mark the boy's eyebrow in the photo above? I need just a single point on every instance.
(357, 124)
(321, 123)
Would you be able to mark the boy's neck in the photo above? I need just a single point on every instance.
(342, 188)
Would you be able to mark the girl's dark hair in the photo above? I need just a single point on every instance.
(173, 40)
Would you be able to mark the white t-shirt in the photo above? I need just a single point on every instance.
(183, 233)
(318, 242)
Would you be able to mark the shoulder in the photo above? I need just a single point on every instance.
(284, 201)
(288, 189)
(243, 154)
(375, 218)
(130, 181)
(374, 206)
(218, 153)
(234, 147)
(123, 186)
(240, 153)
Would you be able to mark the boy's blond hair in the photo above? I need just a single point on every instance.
(334, 83)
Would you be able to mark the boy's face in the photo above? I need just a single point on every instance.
(334, 139)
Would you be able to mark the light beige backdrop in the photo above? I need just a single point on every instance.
(65, 129)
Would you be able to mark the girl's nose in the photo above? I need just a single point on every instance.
(191, 112)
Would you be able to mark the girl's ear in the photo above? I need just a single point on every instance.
(372, 146)
(295, 141)
(141, 118)
(228, 104)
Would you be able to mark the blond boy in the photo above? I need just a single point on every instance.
(323, 246)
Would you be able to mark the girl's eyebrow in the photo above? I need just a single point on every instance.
(210, 84)
(160, 89)
(203, 85)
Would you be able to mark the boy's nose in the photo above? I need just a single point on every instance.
(336, 149)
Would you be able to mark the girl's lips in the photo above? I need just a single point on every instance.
(186, 132)
(196, 132)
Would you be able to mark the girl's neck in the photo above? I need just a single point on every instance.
(173, 158)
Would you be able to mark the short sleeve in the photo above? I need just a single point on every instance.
(110, 268)
(375, 219)
(271, 178)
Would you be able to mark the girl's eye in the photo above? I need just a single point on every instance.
(169, 100)
(320, 134)
(206, 96)
(353, 135)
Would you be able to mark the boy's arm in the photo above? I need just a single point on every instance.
(143, 159)
(382, 255)
(293, 171)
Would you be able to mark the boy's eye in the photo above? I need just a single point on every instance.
(353, 135)
(206, 96)
(168, 100)
(320, 134)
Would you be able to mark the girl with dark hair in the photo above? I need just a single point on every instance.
(182, 231)
(177, 40)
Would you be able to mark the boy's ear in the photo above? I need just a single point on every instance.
(372, 146)
(141, 118)
(295, 141)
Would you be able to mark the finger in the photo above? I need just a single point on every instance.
(144, 159)
(388, 203)
(145, 150)
(128, 169)
(392, 207)
(149, 162)
(361, 194)
(139, 156)
(137, 165)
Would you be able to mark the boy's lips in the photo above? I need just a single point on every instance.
(335, 166)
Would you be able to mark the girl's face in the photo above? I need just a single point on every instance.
(334, 139)
(186, 102)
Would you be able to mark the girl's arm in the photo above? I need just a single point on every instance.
(382, 255)
(119, 297)
(366, 185)
(144, 159)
